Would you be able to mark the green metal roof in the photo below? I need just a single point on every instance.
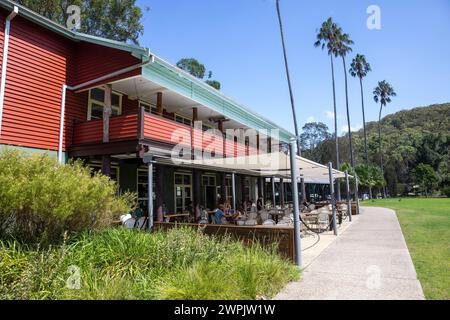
(165, 74)
(175, 79)
(137, 51)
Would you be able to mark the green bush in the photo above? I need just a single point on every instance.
(446, 191)
(40, 199)
(182, 263)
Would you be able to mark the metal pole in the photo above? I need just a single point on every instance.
(273, 192)
(297, 225)
(282, 202)
(349, 199)
(333, 200)
(233, 188)
(356, 193)
(149, 161)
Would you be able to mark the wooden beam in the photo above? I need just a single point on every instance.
(159, 106)
(195, 114)
(107, 110)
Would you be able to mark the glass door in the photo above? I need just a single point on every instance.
(183, 192)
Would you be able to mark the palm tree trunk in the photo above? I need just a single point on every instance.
(366, 153)
(352, 161)
(381, 152)
(299, 152)
(338, 185)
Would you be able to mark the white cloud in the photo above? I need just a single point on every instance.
(310, 119)
(329, 114)
(355, 128)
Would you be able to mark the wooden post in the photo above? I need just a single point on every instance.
(106, 165)
(159, 105)
(107, 110)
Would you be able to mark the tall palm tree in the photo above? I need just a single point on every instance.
(382, 93)
(326, 38)
(294, 117)
(359, 68)
(342, 48)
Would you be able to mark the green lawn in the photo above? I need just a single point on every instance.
(426, 227)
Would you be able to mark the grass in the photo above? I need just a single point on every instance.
(121, 264)
(426, 226)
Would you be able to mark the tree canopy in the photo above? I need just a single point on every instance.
(410, 137)
(112, 19)
(198, 70)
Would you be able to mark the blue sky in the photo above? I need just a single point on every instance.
(239, 41)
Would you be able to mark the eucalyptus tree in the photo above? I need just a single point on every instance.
(326, 38)
(382, 94)
(359, 68)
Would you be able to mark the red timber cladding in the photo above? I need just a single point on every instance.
(93, 61)
(2, 35)
(90, 62)
(76, 114)
(212, 143)
(165, 130)
(123, 127)
(37, 67)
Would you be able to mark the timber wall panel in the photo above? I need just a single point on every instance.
(3, 15)
(37, 67)
(161, 129)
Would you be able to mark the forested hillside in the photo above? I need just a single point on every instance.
(410, 138)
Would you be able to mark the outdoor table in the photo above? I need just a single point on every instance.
(176, 215)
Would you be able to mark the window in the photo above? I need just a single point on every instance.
(97, 167)
(182, 119)
(96, 103)
(206, 127)
(183, 191)
(148, 107)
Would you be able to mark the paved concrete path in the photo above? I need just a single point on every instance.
(369, 260)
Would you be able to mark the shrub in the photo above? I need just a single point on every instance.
(182, 263)
(40, 199)
(446, 191)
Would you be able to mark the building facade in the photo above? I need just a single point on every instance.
(112, 104)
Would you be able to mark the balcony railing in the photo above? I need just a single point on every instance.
(146, 126)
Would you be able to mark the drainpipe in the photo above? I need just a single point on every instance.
(5, 60)
(61, 123)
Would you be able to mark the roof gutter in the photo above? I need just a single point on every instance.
(5, 60)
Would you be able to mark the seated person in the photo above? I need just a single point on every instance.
(137, 213)
(219, 214)
(259, 204)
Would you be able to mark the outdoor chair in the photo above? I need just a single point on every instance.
(322, 220)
